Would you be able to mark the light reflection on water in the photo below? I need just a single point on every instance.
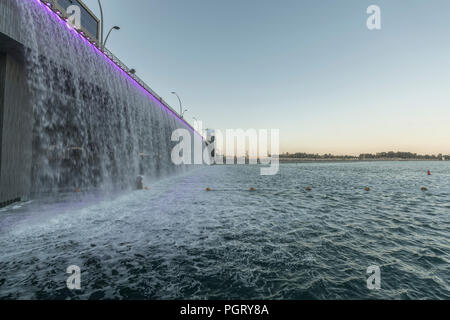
(177, 241)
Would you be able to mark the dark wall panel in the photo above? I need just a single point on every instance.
(16, 130)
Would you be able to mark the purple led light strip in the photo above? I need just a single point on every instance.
(112, 62)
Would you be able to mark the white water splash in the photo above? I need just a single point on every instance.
(92, 123)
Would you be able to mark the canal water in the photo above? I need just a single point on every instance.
(178, 241)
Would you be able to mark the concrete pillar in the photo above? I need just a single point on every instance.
(16, 116)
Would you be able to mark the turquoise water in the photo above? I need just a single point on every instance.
(177, 241)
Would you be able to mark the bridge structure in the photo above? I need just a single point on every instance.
(16, 114)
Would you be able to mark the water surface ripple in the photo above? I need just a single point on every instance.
(177, 241)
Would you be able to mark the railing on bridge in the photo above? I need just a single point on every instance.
(133, 75)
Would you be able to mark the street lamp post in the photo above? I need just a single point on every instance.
(113, 28)
(101, 24)
(181, 105)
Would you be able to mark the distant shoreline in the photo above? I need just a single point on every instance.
(348, 160)
(305, 160)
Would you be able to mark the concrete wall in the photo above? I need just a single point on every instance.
(15, 130)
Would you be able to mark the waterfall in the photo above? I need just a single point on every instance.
(93, 126)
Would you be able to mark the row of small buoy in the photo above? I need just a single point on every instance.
(308, 188)
(253, 189)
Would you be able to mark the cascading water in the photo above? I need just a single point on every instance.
(93, 126)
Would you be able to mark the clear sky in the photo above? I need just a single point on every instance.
(310, 68)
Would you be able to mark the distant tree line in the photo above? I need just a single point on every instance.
(368, 156)
(403, 155)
